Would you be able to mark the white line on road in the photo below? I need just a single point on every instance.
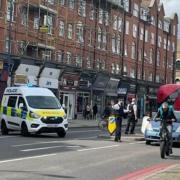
(83, 131)
(103, 147)
(141, 142)
(52, 142)
(3, 137)
(51, 147)
(26, 158)
(37, 143)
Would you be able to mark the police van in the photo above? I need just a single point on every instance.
(32, 110)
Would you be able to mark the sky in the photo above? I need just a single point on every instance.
(172, 6)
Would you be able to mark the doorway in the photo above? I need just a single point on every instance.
(68, 103)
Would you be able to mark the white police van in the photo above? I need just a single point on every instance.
(32, 110)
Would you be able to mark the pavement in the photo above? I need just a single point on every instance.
(84, 123)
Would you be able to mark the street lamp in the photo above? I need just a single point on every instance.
(9, 38)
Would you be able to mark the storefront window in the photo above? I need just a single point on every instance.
(82, 100)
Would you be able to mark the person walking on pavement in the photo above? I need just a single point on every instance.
(88, 111)
(95, 111)
(118, 111)
(132, 116)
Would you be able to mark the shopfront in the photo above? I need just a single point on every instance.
(83, 94)
(49, 78)
(26, 73)
(111, 90)
(99, 87)
(68, 86)
(151, 100)
(141, 97)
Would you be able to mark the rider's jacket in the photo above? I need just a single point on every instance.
(166, 115)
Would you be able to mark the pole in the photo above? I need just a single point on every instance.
(156, 47)
(166, 60)
(143, 49)
(123, 39)
(9, 41)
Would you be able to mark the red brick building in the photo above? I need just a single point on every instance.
(88, 50)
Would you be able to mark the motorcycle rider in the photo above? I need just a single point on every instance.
(165, 112)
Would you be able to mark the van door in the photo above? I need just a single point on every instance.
(11, 113)
(21, 110)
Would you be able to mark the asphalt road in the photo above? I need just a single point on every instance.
(84, 154)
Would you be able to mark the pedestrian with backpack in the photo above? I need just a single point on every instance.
(132, 116)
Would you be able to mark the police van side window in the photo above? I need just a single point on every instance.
(22, 101)
(12, 101)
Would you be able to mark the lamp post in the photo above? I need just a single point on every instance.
(123, 39)
(9, 38)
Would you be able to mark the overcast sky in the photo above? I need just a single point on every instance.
(172, 6)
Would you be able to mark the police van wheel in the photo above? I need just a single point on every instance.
(61, 133)
(4, 129)
(24, 130)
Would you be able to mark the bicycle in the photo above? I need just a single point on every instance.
(164, 140)
(103, 124)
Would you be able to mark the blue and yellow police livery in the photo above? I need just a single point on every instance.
(32, 110)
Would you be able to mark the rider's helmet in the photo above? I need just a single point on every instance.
(165, 106)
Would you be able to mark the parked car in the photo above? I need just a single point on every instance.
(151, 129)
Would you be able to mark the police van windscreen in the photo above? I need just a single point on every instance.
(43, 102)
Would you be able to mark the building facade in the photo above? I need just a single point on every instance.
(88, 51)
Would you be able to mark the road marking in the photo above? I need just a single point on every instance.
(26, 158)
(83, 131)
(143, 173)
(3, 137)
(52, 142)
(37, 143)
(50, 147)
(142, 142)
(97, 148)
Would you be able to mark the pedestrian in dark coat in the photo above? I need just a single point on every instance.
(95, 111)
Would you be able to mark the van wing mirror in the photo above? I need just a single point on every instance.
(21, 106)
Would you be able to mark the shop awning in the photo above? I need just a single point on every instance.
(49, 78)
(101, 82)
(111, 88)
(29, 72)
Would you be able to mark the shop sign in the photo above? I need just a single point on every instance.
(69, 81)
(122, 91)
(101, 82)
(48, 83)
(20, 79)
(152, 90)
(83, 83)
(132, 88)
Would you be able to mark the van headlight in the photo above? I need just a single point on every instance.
(65, 116)
(34, 115)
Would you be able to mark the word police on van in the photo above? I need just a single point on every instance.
(32, 110)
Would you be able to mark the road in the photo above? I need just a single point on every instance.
(84, 154)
